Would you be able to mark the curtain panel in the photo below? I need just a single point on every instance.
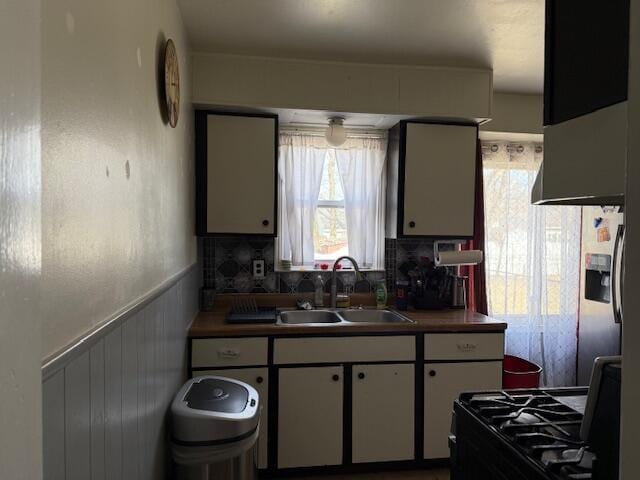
(301, 160)
(361, 165)
(476, 275)
(532, 262)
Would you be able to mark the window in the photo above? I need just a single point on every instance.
(532, 263)
(330, 239)
(331, 200)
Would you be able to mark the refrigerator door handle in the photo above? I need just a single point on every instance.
(616, 273)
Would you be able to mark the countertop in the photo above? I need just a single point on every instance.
(213, 324)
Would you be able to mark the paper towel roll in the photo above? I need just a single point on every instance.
(459, 257)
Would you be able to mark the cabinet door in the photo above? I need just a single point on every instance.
(310, 416)
(383, 413)
(439, 180)
(258, 378)
(586, 62)
(443, 383)
(241, 182)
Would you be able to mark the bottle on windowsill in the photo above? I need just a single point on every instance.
(381, 295)
(318, 297)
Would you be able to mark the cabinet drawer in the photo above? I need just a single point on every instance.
(464, 346)
(344, 349)
(223, 352)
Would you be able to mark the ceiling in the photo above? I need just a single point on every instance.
(506, 35)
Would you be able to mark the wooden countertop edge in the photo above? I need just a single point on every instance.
(212, 324)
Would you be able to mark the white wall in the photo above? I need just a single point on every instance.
(20, 381)
(515, 113)
(630, 461)
(117, 199)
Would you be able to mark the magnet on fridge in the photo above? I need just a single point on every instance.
(596, 222)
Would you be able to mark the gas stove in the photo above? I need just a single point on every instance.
(543, 424)
(540, 434)
(521, 434)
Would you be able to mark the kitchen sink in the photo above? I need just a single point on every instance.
(373, 316)
(343, 316)
(298, 317)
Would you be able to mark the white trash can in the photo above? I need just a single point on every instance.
(215, 423)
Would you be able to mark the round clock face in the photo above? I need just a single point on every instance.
(171, 83)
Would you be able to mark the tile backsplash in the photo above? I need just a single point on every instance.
(227, 267)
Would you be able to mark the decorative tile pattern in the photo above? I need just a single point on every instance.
(227, 267)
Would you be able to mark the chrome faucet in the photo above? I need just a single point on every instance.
(334, 285)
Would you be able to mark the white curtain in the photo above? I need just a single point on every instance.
(532, 263)
(301, 160)
(361, 164)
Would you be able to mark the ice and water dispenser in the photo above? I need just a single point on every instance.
(598, 278)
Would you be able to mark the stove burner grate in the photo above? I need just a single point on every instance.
(546, 430)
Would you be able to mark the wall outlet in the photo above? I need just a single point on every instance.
(258, 269)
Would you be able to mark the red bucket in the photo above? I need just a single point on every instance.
(520, 373)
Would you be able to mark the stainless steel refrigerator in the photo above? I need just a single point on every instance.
(601, 277)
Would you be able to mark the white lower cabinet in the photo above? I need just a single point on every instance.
(443, 383)
(310, 404)
(310, 399)
(258, 378)
(383, 412)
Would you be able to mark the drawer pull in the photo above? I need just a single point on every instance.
(432, 373)
(229, 353)
(259, 380)
(361, 375)
(336, 378)
(467, 347)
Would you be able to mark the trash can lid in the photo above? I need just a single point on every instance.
(217, 395)
(213, 410)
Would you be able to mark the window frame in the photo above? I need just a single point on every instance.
(319, 132)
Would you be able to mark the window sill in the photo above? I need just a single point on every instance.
(279, 269)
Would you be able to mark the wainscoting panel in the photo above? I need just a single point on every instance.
(53, 425)
(113, 401)
(106, 400)
(77, 418)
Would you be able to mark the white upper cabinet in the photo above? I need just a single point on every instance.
(236, 178)
(431, 176)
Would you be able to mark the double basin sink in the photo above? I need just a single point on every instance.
(340, 316)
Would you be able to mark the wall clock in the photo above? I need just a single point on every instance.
(171, 83)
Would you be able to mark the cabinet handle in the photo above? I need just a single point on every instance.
(336, 378)
(265, 223)
(432, 373)
(228, 353)
(259, 380)
(467, 347)
(361, 375)
(412, 224)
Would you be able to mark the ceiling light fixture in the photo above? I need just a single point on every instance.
(336, 134)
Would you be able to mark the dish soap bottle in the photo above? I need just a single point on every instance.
(318, 297)
(381, 295)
